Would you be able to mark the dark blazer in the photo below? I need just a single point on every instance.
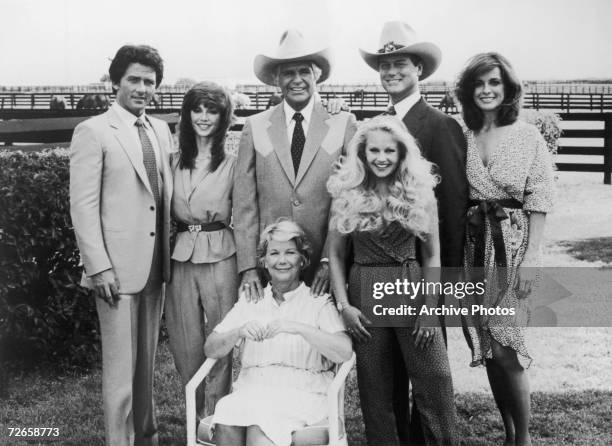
(442, 142)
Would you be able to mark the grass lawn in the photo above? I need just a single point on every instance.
(73, 404)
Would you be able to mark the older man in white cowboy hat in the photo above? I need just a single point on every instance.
(402, 61)
(285, 157)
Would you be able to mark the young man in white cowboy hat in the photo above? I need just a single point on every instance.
(402, 61)
(285, 157)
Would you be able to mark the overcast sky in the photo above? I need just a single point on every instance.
(55, 42)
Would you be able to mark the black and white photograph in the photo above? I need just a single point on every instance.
(306, 223)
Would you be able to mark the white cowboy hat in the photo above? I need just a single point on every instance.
(292, 48)
(399, 38)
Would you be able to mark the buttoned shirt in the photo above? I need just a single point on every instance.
(404, 106)
(285, 349)
(306, 113)
(130, 121)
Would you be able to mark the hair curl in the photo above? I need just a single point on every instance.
(357, 206)
(513, 91)
(211, 96)
(284, 230)
(142, 54)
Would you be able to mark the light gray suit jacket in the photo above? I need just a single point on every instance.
(111, 203)
(266, 186)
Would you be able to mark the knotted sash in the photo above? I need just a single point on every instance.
(494, 211)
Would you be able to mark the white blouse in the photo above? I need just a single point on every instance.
(285, 349)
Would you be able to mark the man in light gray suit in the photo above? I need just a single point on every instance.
(285, 157)
(120, 191)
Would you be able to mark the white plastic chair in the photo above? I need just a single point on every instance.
(320, 434)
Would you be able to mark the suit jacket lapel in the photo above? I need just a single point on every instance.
(277, 131)
(164, 152)
(133, 151)
(193, 185)
(415, 116)
(317, 130)
(186, 180)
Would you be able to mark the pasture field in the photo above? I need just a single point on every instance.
(571, 388)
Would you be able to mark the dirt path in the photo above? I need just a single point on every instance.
(583, 210)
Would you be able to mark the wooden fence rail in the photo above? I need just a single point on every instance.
(35, 105)
(40, 132)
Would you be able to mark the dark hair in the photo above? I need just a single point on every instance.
(477, 66)
(211, 96)
(142, 54)
(416, 60)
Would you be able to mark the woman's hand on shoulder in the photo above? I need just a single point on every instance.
(356, 323)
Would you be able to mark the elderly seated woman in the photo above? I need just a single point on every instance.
(290, 341)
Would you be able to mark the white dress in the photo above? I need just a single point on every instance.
(283, 381)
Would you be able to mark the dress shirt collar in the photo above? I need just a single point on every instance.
(128, 118)
(306, 112)
(404, 106)
(289, 296)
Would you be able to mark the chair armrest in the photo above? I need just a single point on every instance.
(190, 398)
(335, 407)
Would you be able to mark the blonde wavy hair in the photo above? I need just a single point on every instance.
(410, 200)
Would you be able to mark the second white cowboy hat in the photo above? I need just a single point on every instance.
(399, 38)
(292, 48)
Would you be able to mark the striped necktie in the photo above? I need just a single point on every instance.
(148, 158)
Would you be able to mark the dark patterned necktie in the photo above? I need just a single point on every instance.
(297, 141)
(391, 111)
(148, 159)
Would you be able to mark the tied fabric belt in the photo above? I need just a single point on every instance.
(387, 264)
(403, 265)
(494, 211)
(200, 227)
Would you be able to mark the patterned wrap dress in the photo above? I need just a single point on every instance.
(386, 256)
(519, 169)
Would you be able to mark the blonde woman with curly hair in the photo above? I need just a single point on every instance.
(383, 201)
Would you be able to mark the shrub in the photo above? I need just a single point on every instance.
(548, 123)
(44, 313)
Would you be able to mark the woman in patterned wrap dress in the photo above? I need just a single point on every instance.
(510, 175)
(383, 200)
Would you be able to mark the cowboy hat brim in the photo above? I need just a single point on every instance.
(265, 66)
(428, 52)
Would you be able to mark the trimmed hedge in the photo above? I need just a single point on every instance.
(44, 313)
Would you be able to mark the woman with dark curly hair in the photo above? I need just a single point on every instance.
(510, 176)
(204, 278)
